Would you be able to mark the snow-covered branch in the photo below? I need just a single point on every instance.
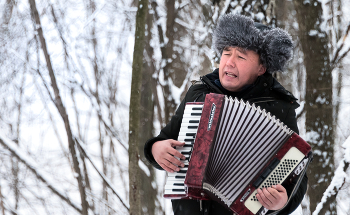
(337, 181)
(31, 164)
(338, 56)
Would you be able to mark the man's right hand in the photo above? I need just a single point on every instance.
(163, 152)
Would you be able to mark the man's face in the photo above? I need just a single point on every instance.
(238, 68)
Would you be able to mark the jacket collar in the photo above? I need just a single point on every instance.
(262, 84)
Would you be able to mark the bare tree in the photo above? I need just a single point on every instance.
(60, 107)
(134, 110)
(318, 100)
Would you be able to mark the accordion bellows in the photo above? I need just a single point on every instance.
(238, 149)
(247, 137)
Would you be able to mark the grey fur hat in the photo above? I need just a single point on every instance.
(273, 45)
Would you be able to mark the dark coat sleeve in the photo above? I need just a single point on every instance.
(171, 130)
(294, 202)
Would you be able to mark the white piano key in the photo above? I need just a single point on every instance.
(192, 128)
(187, 134)
(189, 130)
(173, 178)
(176, 174)
(186, 140)
(190, 121)
(187, 124)
(183, 148)
(190, 107)
(190, 111)
(187, 115)
(170, 187)
(170, 191)
(189, 138)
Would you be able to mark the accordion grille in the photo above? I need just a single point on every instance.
(247, 137)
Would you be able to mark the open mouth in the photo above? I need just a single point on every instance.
(231, 75)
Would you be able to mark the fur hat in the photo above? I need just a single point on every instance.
(273, 45)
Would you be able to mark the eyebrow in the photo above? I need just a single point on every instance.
(242, 50)
(227, 48)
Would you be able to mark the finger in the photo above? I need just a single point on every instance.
(174, 161)
(276, 195)
(176, 153)
(262, 200)
(176, 143)
(166, 168)
(279, 188)
(170, 166)
(267, 195)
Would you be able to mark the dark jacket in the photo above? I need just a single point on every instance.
(267, 93)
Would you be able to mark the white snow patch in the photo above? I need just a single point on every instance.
(313, 32)
(144, 168)
(338, 179)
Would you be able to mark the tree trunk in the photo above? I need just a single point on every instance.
(134, 110)
(149, 193)
(318, 100)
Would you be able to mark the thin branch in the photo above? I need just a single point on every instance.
(2, 203)
(336, 59)
(104, 178)
(59, 105)
(341, 57)
(31, 165)
(109, 128)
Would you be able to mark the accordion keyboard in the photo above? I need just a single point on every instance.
(188, 130)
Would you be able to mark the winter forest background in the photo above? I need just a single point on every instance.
(65, 86)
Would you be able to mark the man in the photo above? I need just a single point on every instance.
(249, 54)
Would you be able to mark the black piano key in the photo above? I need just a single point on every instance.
(192, 127)
(188, 145)
(190, 134)
(178, 190)
(182, 171)
(180, 176)
(186, 153)
(189, 140)
(178, 184)
(197, 108)
(193, 121)
(196, 114)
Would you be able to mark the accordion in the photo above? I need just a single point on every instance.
(232, 149)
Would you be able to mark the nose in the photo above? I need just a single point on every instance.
(231, 61)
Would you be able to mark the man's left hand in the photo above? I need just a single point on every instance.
(273, 198)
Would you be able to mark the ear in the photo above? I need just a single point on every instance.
(262, 70)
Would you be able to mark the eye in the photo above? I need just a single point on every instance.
(241, 57)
